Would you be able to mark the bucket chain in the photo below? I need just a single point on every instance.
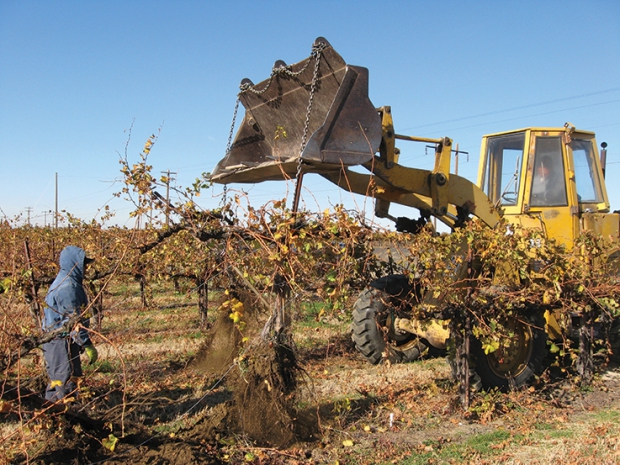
(285, 70)
(229, 146)
(232, 128)
(316, 53)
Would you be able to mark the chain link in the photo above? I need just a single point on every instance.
(232, 128)
(229, 147)
(246, 87)
(284, 70)
(316, 53)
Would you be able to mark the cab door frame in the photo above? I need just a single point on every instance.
(560, 222)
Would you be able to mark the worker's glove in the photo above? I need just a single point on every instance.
(92, 353)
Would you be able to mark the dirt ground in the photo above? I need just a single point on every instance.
(225, 405)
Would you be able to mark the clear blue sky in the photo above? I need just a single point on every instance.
(76, 75)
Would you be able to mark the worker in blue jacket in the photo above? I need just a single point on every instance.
(65, 298)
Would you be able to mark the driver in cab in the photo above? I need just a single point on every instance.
(548, 185)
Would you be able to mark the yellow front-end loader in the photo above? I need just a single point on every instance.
(315, 116)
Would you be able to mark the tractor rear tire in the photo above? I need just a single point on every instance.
(514, 366)
(614, 340)
(373, 317)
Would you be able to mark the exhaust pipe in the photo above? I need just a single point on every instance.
(603, 157)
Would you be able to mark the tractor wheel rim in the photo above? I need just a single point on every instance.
(512, 358)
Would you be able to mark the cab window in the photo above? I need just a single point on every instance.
(586, 174)
(502, 173)
(548, 182)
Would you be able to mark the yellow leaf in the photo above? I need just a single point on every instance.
(4, 406)
(347, 443)
(110, 442)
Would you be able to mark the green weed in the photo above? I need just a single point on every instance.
(485, 445)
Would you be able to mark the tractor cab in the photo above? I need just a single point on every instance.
(548, 178)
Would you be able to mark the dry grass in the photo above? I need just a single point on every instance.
(390, 414)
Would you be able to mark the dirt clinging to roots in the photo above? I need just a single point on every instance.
(262, 376)
(263, 388)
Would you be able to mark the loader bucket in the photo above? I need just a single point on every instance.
(339, 123)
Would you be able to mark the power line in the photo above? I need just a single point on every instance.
(530, 116)
(521, 107)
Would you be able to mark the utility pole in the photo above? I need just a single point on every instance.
(151, 212)
(56, 204)
(44, 218)
(168, 173)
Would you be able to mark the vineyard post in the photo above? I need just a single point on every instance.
(56, 204)
(96, 305)
(585, 363)
(35, 308)
(460, 330)
(168, 173)
(140, 276)
(203, 296)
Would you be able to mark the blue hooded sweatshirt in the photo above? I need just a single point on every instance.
(66, 295)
